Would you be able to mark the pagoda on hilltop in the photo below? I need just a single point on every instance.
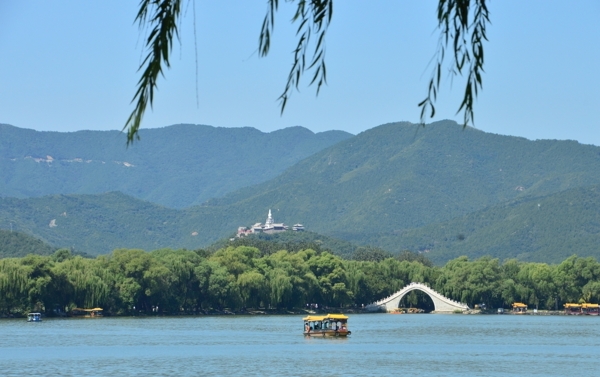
(269, 227)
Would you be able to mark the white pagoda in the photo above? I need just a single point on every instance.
(270, 226)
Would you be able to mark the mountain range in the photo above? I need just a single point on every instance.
(176, 166)
(441, 189)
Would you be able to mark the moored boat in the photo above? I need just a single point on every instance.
(573, 309)
(34, 317)
(330, 325)
(519, 308)
(80, 312)
(590, 309)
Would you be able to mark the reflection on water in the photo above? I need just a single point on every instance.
(431, 345)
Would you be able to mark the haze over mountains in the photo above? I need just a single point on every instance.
(441, 190)
(176, 166)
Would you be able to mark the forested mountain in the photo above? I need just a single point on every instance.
(175, 166)
(296, 241)
(96, 224)
(17, 244)
(395, 177)
(399, 176)
(390, 187)
(548, 228)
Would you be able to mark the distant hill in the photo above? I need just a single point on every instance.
(176, 166)
(97, 224)
(295, 241)
(548, 228)
(388, 187)
(17, 244)
(401, 176)
(102, 223)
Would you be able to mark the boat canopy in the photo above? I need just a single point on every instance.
(572, 306)
(34, 317)
(324, 317)
(88, 310)
(590, 306)
(519, 305)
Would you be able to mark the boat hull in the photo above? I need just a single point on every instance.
(327, 333)
(34, 317)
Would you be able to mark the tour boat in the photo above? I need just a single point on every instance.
(34, 317)
(330, 325)
(572, 309)
(519, 308)
(590, 309)
(80, 312)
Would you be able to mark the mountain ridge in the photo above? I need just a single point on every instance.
(386, 183)
(175, 166)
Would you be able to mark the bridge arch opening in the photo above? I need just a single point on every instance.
(416, 301)
(441, 303)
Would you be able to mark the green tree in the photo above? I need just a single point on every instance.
(134, 270)
(61, 255)
(291, 280)
(251, 285)
(356, 280)
(591, 292)
(462, 25)
(331, 276)
(222, 289)
(237, 260)
(368, 253)
(14, 279)
(471, 282)
(573, 274)
(184, 286)
(40, 288)
(84, 283)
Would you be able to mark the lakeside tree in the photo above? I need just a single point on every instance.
(461, 23)
(166, 281)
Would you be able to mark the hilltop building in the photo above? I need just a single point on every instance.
(269, 227)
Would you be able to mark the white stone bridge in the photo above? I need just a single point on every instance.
(441, 303)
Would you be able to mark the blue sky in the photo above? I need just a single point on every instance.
(71, 65)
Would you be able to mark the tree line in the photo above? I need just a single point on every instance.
(133, 281)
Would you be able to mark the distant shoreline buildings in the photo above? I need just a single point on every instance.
(269, 227)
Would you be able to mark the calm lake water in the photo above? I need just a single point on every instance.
(380, 344)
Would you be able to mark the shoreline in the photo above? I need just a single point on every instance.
(296, 311)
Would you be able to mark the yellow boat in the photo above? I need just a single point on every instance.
(81, 312)
(572, 309)
(330, 325)
(590, 309)
(519, 308)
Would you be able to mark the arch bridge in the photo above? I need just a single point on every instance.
(441, 303)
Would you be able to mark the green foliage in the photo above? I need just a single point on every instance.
(438, 191)
(372, 254)
(17, 244)
(312, 17)
(379, 186)
(132, 281)
(462, 22)
(410, 256)
(470, 281)
(547, 229)
(296, 241)
(163, 24)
